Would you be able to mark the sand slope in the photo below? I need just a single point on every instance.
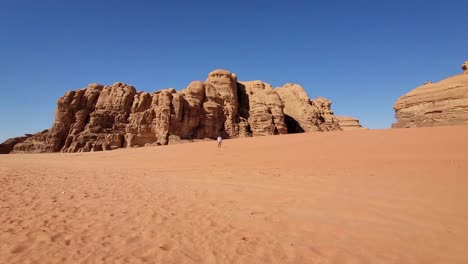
(389, 196)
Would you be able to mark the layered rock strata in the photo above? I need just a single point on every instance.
(7, 146)
(435, 104)
(348, 123)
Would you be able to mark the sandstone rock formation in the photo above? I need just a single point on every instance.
(327, 120)
(303, 114)
(7, 146)
(435, 104)
(348, 123)
(262, 109)
(101, 117)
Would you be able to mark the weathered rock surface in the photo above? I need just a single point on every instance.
(327, 120)
(435, 104)
(7, 146)
(262, 109)
(37, 143)
(349, 123)
(101, 117)
(303, 114)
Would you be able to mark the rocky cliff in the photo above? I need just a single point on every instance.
(435, 104)
(101, 117)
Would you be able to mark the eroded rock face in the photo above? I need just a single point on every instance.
(348, 123)
(264, 111)
(7, 146)
(327, 120)
(140, 127)
(101, 117)
(100, 122)
(220, 105)
(303, 114)
(37, 143)
(435, 104)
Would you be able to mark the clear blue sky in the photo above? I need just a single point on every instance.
(361, 54)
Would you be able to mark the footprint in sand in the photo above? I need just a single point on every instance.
(167, 246)
(55, 237)
(133, 239)
(18, 249)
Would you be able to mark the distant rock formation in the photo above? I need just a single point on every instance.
(435, 104)
(101, 117)
(303, 114)
(349, 123)
(7, 146)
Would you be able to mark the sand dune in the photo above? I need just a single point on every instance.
(388, 196)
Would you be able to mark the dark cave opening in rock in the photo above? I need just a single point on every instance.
(292, 125)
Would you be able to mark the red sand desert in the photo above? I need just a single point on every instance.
(383, 196)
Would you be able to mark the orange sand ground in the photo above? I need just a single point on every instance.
(387, 196)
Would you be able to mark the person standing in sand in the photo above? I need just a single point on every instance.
(220, 140)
